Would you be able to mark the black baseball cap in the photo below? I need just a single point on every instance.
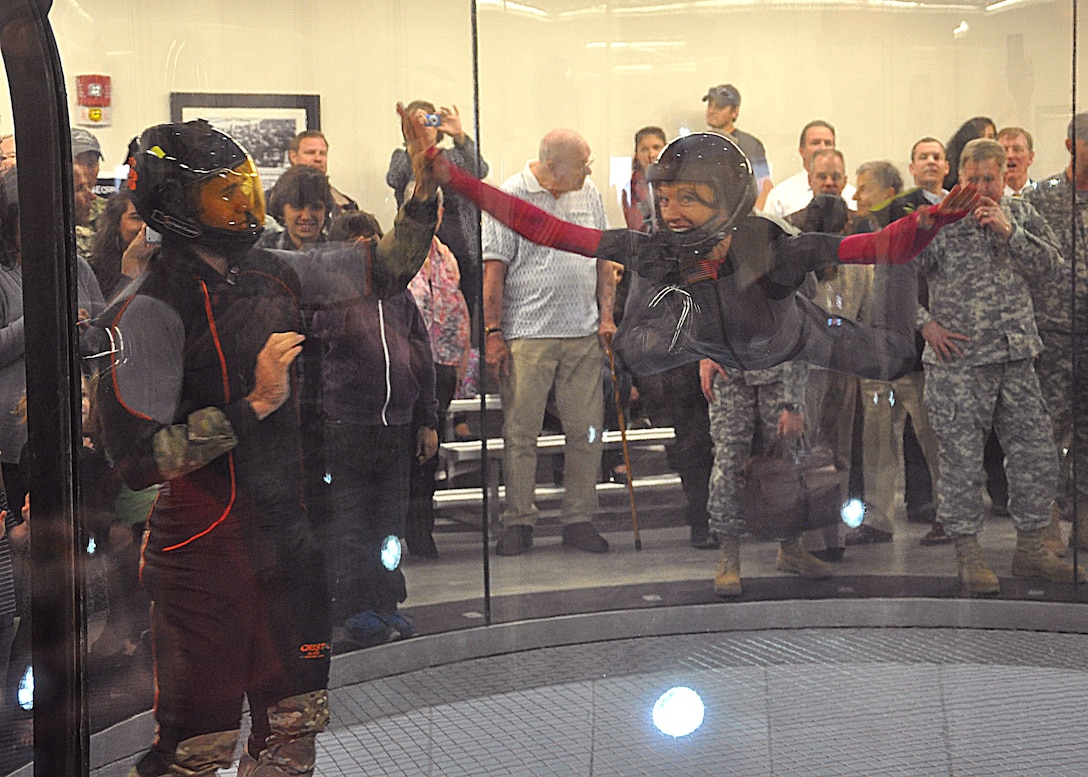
(723, 94)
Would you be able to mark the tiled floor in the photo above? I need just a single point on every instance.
(793, 700)
(816, 702)
(581, 646)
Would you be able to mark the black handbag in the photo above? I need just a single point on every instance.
(796, 487)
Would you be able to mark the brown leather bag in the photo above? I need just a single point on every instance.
(795, 488)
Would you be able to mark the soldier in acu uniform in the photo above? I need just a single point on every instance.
(1054, 198)
(979, 369)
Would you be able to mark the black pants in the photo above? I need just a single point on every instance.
(420, 523)
(370, 468)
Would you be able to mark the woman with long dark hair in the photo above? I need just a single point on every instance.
(977, 127)
(120, 231)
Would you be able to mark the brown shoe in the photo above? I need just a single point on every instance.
(867, 535)
(935, 536)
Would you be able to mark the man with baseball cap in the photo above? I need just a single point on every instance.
(722, 110)
(86, 154)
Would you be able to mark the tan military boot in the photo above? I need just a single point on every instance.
(1032, 559)
(793, 558)
(1052, 534)
(727, 579)
(1081, 540)
(976, 577)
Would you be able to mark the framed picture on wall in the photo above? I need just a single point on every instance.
(263, 123)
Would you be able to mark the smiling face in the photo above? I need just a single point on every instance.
(304, 224)
(685, 206)
(7, 152)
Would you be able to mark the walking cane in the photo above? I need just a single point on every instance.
(623, 441)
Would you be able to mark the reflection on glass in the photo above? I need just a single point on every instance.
(853, 512)
(544, 65)
(390, 553)
(678, 712)
(26, 690)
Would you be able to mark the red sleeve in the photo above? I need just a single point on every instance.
(527, 220)
(897, 243)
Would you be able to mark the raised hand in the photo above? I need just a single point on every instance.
(451, 123)
(957, 204)
(960, 201)
(415, 132)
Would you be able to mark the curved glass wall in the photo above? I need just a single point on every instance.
(884, 74)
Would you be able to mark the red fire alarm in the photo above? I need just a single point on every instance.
(93, 98)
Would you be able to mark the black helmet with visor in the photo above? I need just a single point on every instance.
(714, 160)
(193, 182)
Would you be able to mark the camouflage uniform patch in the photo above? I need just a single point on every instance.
(747, 402)
(1053, 198)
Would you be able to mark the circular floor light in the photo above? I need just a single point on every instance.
(678, 712)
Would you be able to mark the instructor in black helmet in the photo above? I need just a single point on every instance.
(199, 395)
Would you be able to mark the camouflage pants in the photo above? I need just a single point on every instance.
(738, 413)
(1054, 367)
(963, 403)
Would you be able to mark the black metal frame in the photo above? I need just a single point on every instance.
(311, 103)
(40, 112)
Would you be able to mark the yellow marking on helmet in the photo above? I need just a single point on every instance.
(157, 151)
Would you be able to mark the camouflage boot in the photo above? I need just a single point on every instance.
(727, 579)
(246, 764)
(976, 577)
(793, 558)
(200, 756)
(1032, 559)
(291, 748)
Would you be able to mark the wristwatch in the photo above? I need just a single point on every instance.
(490, 330)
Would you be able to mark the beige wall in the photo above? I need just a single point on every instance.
(883, 77)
